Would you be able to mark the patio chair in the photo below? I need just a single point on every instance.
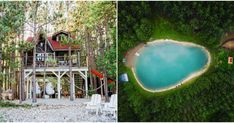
(94, 104)
(111, 106)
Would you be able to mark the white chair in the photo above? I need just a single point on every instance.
(111, 106)
(38, 89)
(49, 89)
(94, 104)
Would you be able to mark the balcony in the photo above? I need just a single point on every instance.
(51, 60)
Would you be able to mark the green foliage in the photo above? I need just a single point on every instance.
(109, 61)
(7, 104)
(164, 29)
(222, 60)
(209, 20)
(133, 24)
(51, 61)
(11, 20)
(144, 30)
(66, 40)
(25, 46)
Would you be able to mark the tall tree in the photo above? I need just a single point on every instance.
(11, 22)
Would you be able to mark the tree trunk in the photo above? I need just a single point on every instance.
(22, 72)
(34, 75)
(34, 54)
(21, 90)
(105, 79)
(93, 66)
(45, 55)
(89, 57)
(104, 68)
(1, 83)
(44, 74)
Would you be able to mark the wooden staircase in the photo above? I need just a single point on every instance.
(79, 85)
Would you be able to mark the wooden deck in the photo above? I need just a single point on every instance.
(60, 68)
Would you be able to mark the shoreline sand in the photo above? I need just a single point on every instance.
(130, 57)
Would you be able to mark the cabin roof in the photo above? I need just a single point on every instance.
(56, 45)
(228, 41)
(59, 47)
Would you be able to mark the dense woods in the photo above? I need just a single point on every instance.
(208, 97)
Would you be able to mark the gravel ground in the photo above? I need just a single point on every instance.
(54, 110)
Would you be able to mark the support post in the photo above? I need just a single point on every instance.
(70, 76)
(74, 93)
(86, 84)
(54, 55)
(23, 87)
(30, 89)
(101, 81)
(78, 58)
(59, 85)
(26, 60)
(27, 87)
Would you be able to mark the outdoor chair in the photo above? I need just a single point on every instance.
(111, 106)
(94, 104)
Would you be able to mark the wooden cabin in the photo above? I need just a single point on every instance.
(52, 59)
(54, 53)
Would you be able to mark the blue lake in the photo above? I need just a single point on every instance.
(162, 65)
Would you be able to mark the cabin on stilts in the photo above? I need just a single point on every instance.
(52, 68)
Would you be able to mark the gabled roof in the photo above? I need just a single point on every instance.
(56, 46)
(59, 47)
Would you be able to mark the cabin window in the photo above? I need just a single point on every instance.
(57, 38)
(41, 44)
(40, 57)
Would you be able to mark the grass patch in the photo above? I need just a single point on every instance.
(8, 104)
(165, 29)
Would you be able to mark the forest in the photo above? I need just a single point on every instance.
(93, 25)
(208, 97)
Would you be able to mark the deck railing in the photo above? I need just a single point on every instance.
(52, 61)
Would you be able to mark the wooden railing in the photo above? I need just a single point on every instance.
(52, 61)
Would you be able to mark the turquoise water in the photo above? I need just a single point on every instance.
(165, 64)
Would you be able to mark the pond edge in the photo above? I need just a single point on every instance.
(189, 77)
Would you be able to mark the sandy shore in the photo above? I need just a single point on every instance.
(54, 110)
(132, 57)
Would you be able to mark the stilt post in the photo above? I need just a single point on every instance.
(86, 84)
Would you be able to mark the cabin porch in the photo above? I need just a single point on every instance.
(59, 73)
(54, 59)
